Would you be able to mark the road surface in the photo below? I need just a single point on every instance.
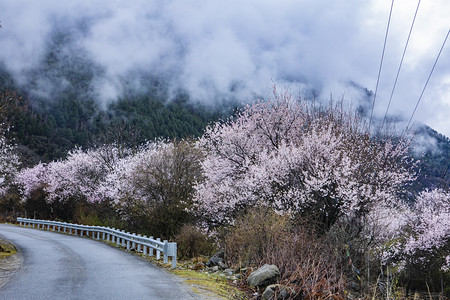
(57, 266)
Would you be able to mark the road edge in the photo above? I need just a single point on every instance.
(10, 264)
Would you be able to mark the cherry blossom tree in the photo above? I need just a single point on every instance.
(32, 179)
(298, 158)
(429, 227)
(153, 188)
(9, 161)
(420, 247)
(77, 176)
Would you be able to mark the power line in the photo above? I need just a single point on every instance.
(426, 83)
(401, 63)
(381, 63)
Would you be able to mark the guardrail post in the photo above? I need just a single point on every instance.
(144, 250)
(139, 244)
(172, 251)
(165, 254)
(128, 243)
(158, 253)
(123, 239)
(151, 249)
(133, 243)
(103, 234)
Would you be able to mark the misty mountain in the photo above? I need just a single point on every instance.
(64, 111)
(432, 149)
(47, 125)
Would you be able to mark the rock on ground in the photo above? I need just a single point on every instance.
(264, 276)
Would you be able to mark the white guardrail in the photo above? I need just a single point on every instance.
(139, 243)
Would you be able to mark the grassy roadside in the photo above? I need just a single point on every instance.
(10, 261)
(6, 249)
(203, 283)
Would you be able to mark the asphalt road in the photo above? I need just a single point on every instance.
(57, 266)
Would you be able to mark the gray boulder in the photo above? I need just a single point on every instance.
(228, 272)
(264, 276)
(217, 260)
(269, 293)
(283, 292)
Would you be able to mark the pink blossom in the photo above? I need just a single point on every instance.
(287, 154)
(31, 179)
(430, 222)
(9, 161)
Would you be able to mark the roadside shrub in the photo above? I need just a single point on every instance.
(193, 242)
(253, 234)
(308, 265)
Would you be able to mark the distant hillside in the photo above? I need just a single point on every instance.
(46, 129)
(432, 149)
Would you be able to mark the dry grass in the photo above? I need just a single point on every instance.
(308, 265)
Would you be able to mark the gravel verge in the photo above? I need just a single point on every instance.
(10, 261)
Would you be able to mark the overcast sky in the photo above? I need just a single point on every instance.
(221, 49)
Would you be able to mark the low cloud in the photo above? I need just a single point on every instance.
(216, 50)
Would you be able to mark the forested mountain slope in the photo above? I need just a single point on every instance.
(434, 159)
(46, 127)
(46, 130)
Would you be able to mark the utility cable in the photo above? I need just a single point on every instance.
(429, 76)
(381, 63)
(401, 63)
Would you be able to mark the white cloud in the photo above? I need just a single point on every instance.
(216, 49)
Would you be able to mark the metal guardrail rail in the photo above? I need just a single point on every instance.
(143, 244)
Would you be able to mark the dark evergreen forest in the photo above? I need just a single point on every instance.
(45, 130)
